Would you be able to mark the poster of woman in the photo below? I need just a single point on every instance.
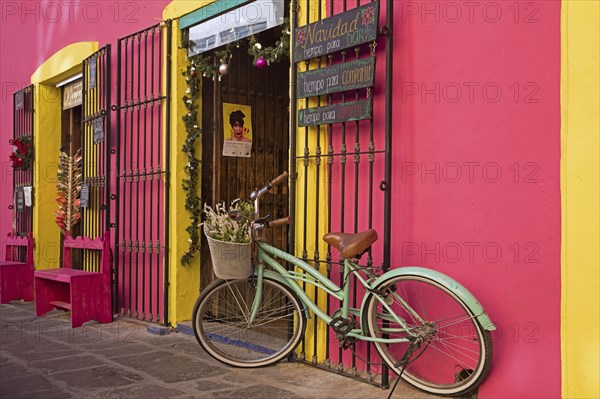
(237, 130)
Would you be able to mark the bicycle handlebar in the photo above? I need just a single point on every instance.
(258, 193)
(279, 179)
(281, 222)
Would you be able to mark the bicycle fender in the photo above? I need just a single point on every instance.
(458, 289)
(296, 290)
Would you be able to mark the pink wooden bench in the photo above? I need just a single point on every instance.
(86, 294)
(16, 276)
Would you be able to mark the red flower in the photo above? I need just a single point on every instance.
(301, 37)
(16, 161)
(368, 15)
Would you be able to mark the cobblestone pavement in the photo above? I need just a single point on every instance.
(42, 357)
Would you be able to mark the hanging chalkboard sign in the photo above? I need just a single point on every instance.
(92, 78)
(20, 199)
(341, 112)
(19, 100)
(98, 124)
(84, 196)
(337, 32)
(341, 77)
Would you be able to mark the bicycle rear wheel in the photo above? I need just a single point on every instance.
(221, 326)
(456, 352)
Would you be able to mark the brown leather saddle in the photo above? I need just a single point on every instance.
(351, 245)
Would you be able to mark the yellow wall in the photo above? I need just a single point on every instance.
(580, 187)
(311, 199)
(184, 281)
(47, 128)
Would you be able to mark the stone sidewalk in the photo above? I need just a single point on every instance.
(44, 358)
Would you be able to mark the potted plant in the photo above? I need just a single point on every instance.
(230, 240)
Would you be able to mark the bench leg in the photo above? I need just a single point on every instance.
(43, 296)
(16, 282)
(27, 290)
(79, 314)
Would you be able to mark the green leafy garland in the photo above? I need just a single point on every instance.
(280, 51)
(206, 66)
(190, 184)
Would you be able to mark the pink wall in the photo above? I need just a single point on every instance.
(30, 32)
(508, 132)
(476, 152)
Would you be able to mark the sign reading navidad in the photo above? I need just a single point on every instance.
(337, 32)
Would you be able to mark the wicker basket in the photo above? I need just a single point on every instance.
(231, 260)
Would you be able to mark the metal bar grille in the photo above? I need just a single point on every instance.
(22, 223)
(350, 161)
(95, 143)
(142, 147)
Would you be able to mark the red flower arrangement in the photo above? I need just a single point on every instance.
(22, 153)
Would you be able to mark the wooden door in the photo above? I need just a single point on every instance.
(226, 178)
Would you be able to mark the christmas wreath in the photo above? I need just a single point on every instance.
(22, 153)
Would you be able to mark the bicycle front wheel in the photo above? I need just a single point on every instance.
(454, 353)
(222, 325)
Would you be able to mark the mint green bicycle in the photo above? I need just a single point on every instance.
(426, 327)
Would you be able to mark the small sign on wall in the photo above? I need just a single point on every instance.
(338, 32)
(19, 100)
(72, 94)
(84, 197)
(237, 130)
(20, 199)
(27, 194)
(336, 113)
(92, 78)
(98, 125)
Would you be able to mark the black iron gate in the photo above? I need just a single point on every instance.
(95, 150)
(96, 142)
(22, 212)
(142, 164)
(349, 165)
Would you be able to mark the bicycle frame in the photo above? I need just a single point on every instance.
(291, 277)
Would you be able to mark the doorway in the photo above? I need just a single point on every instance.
(70, 138)
(265, 93)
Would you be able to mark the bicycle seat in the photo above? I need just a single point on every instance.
(351, 245)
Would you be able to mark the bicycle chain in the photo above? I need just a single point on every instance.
(363, 359)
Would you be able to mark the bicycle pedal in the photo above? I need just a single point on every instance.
(341, 325)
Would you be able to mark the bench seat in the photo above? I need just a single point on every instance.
(64, 275)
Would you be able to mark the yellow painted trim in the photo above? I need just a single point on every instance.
(580, 177)
(308, 175)
(60, 64)
(47, 128)
(178, 8)
(184, 281)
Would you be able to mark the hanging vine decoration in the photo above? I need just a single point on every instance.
(190, 184)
